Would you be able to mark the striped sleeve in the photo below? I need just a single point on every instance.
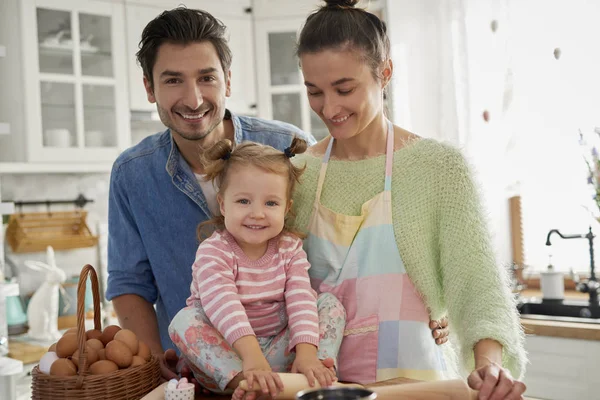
(300, 298)
(215, 283)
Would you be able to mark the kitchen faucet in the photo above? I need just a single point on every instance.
(590, 285)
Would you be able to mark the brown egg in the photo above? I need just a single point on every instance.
(137, 360)
(101, 354)
(70, 330)
(95, 343)
(103, 367)
(129, 338)
(63, 367)
(109, 333)
(91, 353)
(119, 353)
(66, 345)
(52, 347)
(144, 351)
(93, 334)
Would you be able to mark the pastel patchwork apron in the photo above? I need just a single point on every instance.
(356, 258)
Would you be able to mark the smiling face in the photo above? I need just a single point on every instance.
(190, 88)
(254, 204)
(342, 91)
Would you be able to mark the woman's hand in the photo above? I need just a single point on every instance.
(495, 383)
(439, 330)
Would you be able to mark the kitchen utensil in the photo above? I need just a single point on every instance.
(436, 390)
(15, 315)
(337, 393)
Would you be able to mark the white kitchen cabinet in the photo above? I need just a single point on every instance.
(561, 369)
(238, 20)
(73, 84)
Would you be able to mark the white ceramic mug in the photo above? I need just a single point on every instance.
(553, 286)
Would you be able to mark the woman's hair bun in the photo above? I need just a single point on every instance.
(341, 3)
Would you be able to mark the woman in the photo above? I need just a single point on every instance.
(394, 223)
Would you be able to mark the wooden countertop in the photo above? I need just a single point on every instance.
(158, 393)
(569, 330)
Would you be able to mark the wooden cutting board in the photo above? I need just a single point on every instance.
(25, 352)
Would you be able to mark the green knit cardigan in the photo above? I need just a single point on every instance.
(442, 236)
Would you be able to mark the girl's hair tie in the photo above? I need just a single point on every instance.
(289, 153)
(226, 156)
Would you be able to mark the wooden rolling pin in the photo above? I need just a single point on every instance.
(437, 390)
(292, 384)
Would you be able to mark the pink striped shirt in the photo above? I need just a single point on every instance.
(244, 297)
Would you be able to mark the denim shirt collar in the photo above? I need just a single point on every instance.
(182, 175)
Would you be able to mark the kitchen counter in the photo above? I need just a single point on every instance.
(569, 330)
(158, 393)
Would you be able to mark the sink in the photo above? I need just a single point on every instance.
(560, 310)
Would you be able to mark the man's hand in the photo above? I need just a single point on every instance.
(168, 364)
(439, 330)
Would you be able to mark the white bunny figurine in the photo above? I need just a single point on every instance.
(42, 311)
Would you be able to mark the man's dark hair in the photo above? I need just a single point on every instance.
(182, 26)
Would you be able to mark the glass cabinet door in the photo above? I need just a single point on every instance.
(99, 116)
(77, 80)
(286, 92)
(95, 45)
(284, 65)
(58, 114)
(55, 41)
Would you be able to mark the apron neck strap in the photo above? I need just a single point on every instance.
(389, 161)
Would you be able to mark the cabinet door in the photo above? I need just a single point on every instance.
(281, 91)
(75, 81)
(243, 77)
(559, 368)
(136, 18)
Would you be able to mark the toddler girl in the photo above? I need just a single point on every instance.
(252, 310)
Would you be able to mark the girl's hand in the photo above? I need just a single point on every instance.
(495, 383)
(313, 368)
(260, 373)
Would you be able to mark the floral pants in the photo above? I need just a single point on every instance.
(215, 363)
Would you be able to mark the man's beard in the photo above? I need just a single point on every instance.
(192, 136)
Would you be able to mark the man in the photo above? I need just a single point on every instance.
(157, 192)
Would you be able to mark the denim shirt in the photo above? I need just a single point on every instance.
(155, 205)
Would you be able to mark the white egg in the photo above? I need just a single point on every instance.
(46, 361)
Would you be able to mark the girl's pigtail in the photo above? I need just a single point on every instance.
(298, 146)
(215, 157)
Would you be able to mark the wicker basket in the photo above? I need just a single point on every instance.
(129, 383)
(32, 232)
